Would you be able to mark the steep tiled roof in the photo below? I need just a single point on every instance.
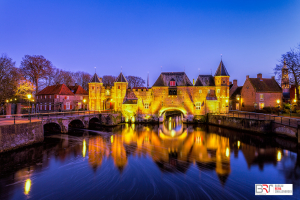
(205, 80)
(180, 78)
(121, 78)
(77, 89)
(95, 79)
(60, 89)
(265, 85)
(130, 97)
(221, 71)
(237, 91)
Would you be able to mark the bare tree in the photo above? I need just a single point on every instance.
(135, 81)
(108, 80)
(292, 59)
(82, 78)
(36, 68)
(9, 76)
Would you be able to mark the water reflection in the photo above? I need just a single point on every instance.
(136, 158)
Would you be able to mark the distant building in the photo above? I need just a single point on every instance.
(259, 92)
(60, 97)
(285, 83)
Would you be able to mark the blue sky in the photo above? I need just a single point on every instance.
(142, 36)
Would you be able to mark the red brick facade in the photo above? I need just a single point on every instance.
(259, 92)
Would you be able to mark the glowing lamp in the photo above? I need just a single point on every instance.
(227, 152)
(295, 100)
(28, 96)
(83, 148)
(27, 186)
(279, 156)
(6, 101)
(278, 101)
(84, 100)
(238, 98)
(226, 101)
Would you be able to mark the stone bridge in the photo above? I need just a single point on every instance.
(82, 121)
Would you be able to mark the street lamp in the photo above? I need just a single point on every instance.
(84, 100)
(278, 106)
(29, 96)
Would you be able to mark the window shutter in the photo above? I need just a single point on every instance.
(70, 107)
(65, 107)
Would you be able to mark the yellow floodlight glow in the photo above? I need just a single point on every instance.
(173, 133)
(84, 100)
(227, 152)
(279, 156)
(278, 101)
(132, 119)
(238, 144)
(112, 139)
(29, 96)
(238, 98)
(226, 100)
(27, 186)
(83, 148)
(295, 100)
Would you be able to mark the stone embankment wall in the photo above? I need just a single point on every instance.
(259, 126)
(19, 135)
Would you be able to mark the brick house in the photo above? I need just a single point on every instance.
(259, 92)
(60, 97)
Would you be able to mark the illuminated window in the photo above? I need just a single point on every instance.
(172, 83)
(208, 91)
(198, 106)
(200, 91)
(261, 97)
(261, 106)
(45, 97)
(107, 92)
(218, 91)
(93, 87)
(119, 87)
(146, 105)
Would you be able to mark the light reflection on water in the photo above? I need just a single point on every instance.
(142, 161)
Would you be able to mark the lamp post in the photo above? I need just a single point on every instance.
(84, 100)
(29, 96)
(278, 105)
(227, 105)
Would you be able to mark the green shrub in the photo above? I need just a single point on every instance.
(286, 111)
(287, 106)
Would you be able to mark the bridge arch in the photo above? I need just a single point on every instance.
(76, 123)
(52, 127)
(93, 122)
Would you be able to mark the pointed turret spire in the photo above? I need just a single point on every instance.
(95, 79)
(121, 78)
(221, 71)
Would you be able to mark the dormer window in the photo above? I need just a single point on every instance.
(172, 83)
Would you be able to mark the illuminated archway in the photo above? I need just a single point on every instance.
(163, 110)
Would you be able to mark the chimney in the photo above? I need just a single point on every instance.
(273, 77)
(235, 82)
(247, 77)
(259, 76)
(76, 84)
(230, 83)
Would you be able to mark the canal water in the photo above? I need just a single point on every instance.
(167, 161)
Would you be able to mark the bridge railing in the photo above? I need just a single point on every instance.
(21, 118)
(288, 121)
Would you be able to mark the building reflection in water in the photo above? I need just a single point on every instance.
(172, 146)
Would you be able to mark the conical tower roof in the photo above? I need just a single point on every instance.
(121, 78)
(95, 79)
(221, 71)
